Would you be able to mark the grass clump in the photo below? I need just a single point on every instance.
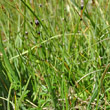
(50, 59)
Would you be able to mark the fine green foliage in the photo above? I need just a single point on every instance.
(50, 59)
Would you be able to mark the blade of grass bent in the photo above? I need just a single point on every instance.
(37, 45)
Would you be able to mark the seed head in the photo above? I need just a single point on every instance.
(36, 22)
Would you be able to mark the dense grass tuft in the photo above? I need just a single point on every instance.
(52, 60)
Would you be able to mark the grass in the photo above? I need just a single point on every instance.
(50, 59)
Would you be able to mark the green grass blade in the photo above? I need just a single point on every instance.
(11, 74)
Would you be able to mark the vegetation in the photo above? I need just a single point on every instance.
(52, 60)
